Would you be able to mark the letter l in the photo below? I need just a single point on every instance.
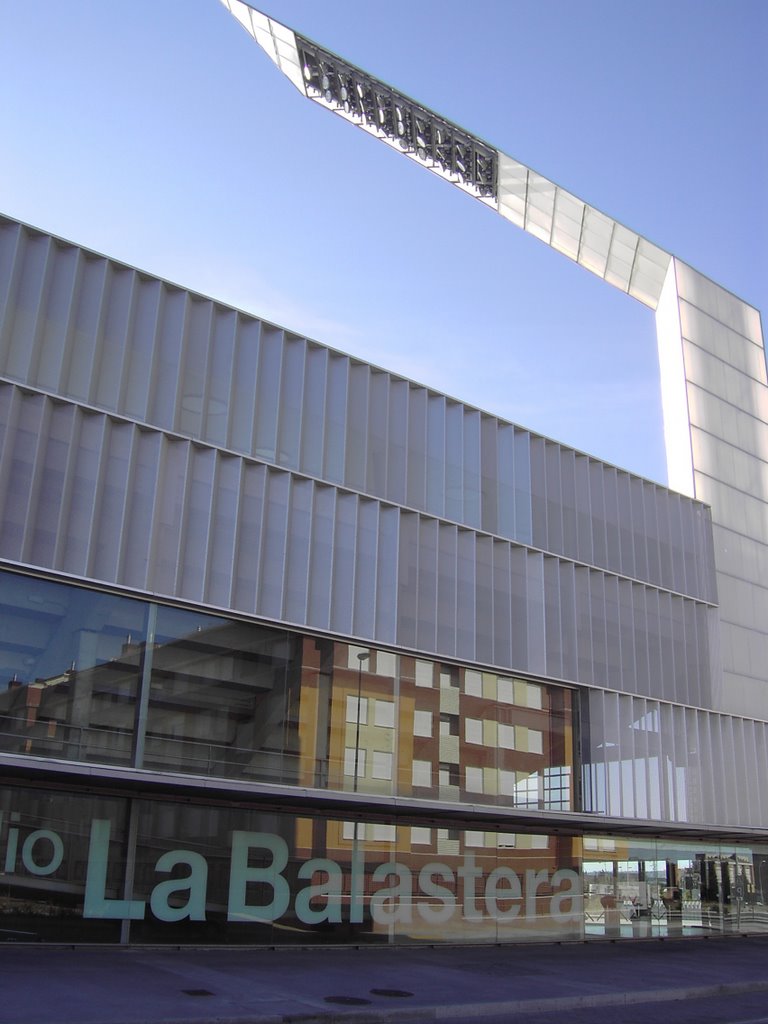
(96, 902)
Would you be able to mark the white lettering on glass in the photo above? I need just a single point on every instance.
(260, 890)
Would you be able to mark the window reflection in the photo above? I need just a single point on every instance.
(224, 698)
(350, 881)
(44, 850)
(636, 889)
(70, 659)
(95, 677)
(193, 872)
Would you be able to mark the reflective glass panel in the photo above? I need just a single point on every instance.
(63, 860)
(70, 661)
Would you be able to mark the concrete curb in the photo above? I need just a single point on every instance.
(477, 1011)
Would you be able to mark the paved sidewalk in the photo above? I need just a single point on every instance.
(86, 985)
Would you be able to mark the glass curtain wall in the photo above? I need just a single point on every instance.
(94, 677)
(641, 888)
(89, 868)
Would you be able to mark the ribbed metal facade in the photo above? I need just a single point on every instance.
(102, 498)
(411, 519)
(157, 441)
(105, 335)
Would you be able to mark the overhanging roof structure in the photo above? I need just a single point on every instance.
(521, 195)
(711, 354)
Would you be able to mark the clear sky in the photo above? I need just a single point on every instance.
(156, 131)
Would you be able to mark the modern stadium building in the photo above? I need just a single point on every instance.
(295, 650)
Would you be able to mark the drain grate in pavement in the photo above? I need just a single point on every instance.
(348, 1000)
(196, 992)
(393, 993)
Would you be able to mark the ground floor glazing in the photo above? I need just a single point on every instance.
(94, 867)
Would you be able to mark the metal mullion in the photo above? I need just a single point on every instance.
(145, 682)
(130, 865)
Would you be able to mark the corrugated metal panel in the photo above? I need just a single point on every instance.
(103, 498)
(90, 329)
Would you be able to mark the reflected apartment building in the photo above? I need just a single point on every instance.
(295, 650)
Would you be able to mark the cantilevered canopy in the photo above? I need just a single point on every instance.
(714, 387)
(595, 241)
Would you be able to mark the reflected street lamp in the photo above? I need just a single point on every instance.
(361, 657)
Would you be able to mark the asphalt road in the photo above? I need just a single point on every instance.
(751, 1008)
(701, 981)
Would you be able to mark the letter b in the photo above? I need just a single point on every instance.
(240, 874)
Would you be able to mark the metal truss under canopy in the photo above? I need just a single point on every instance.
(439, 144)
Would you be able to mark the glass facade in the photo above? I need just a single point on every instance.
(82, 868)
(99, 678)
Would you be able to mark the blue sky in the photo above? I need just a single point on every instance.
(156, 131)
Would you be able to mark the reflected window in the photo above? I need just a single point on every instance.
(526, 790)
(421, 836)
(384, 833)
(473, 730)
(381, 767)
(473, 838)
(225, 697)
(424, 672)
(348, 830)
(239, 699)
(449, 676)
(474, 780)
(357, 710)
(505, 690)
(507, 783)
(449, 725)
(473, 683)
(422, 723)
(533, 697)
(535, 742)
(386, 664)
(384, 714)
(354, 765)
(422, 773)
(70, 664)
(357, 656)
(506, 735)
